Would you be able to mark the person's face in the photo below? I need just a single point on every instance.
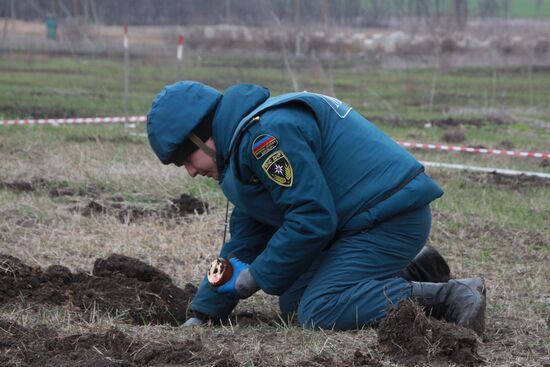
(200, 163)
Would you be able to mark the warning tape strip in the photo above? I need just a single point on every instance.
(488, 151)
(75, 121)
(405, 144)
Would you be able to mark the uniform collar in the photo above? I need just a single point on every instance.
(237, 102)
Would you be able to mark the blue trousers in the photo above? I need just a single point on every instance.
(352, 283)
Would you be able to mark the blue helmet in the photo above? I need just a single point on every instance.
(177, 111)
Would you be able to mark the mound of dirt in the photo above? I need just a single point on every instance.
(126, 213)
(407, 336)
(516, 182)
(186, 204)
(121, 139)
(454, 136)
(56, 189)
(20, 346)
(22, 186)
(505, 182)
(119, 285)
(177, 207)
(448, 122)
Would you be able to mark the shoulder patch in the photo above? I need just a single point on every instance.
(278, 168)
(263, 144)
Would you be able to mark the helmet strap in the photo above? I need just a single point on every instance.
(202, 146)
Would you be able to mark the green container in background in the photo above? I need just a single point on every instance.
(51, 27)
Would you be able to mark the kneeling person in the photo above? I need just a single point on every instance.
(330, 213)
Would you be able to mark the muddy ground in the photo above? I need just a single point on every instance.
(20, 346)
(142, 294)
(119, 285)
(93, 202)
(177, 207)
(493, 179)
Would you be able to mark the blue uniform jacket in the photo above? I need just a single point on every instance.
(301, 168)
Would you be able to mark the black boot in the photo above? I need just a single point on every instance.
(427, 266)
(461, 301)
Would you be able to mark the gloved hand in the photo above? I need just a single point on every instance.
(193, 321)
(196, 319)
(241, 284)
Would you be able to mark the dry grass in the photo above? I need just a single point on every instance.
(41, 230)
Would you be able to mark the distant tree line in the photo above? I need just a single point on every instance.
(255, 12)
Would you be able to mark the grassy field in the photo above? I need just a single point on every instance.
(516, 8)
(485, 225)
(528, 9)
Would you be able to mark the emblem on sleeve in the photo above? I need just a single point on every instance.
(263, 144)
(278, 168)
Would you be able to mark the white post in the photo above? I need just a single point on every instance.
(179, 56)
(126, 67)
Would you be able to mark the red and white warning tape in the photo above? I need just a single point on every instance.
(489, 151)
(75, 121)
(405, 144)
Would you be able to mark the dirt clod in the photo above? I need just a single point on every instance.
(119, 285)
(130, 267)
(21, 186)
(56, 188)
(177, 207)
(506, 145)
(505, 182)
(407, 336)
(454, 136)
(186, 204)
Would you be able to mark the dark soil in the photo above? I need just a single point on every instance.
(516, 182)
(358, 359)
(122, 139)
(126, 213)
(23, 186)
(506, 145)
(20, 346)
(444, 123)
(118, 285)
(55, 189)
(507, 182)
(454, 136)
(407, 336)
(29, 347)
(37, 112)
(177, 207)
(146, 295)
